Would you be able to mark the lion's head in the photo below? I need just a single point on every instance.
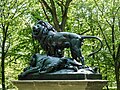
(41, 28)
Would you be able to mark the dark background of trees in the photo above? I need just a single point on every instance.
(85, 17)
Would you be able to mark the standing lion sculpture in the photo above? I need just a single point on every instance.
(54, 42)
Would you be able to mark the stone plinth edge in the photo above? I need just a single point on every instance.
(59, 84)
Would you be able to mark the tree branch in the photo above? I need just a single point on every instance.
(102, 13)
(52, 10)
(60, 3)
(45, 12)
(85, 32)
(105, 39)
(98, 7)
(46, 5)
(54, 14)
(117, 11)
(64, 15)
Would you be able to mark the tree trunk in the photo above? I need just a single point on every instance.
(117, 68)
(64, 15)
(54, 15)
(52, 10)
(3, 65)
(3, 71)
(117, 75)
(5, 30)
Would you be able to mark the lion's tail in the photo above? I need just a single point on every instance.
(94, 37)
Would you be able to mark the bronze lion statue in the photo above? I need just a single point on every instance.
(44, 65)
(47, 64)
(54, 42)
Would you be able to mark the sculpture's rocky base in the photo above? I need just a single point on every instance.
(60, 84)
(67, 76)
(64, 74)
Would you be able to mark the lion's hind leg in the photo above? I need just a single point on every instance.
(76, 51)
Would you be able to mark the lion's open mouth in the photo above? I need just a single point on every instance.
(35, 30)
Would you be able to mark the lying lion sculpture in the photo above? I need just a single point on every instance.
(48, 64)
(54, 42)
(43, 64)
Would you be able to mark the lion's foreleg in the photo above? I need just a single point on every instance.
(29, 71)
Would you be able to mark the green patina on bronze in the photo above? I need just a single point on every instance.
(54, 63)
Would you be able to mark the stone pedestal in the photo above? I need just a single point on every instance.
(59, 84)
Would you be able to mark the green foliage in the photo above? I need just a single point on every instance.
(99, 18)
(85, 17)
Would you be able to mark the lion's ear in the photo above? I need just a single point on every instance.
(40, 22)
